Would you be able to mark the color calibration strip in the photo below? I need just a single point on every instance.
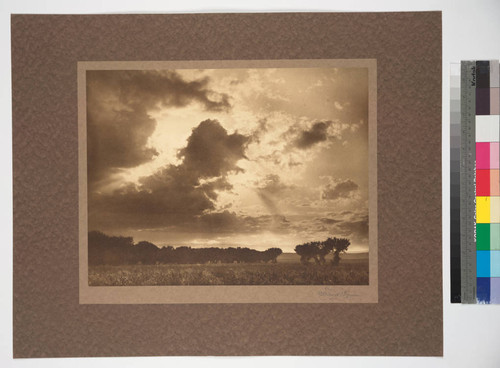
(487, 182)
(475, 182)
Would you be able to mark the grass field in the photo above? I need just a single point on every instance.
(352, 270)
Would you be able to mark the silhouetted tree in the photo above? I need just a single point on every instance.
(340, 245)
(271, 254)
(116, 250)
(319, 250)
(146, 253)
(165, 255)
(111, 250)
(307, 251)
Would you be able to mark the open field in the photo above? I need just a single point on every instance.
(352, 270)
(345, 258)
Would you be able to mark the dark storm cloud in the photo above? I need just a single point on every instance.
(118, 120)
(172, 200)
(212, 187)
(328, 221)
(116, 139)
(339, 189)
(353, 225)
(317, 133)
(219, 222)
(148, 88)
(175, 193)
(211, 152)
(171, 195)
(356, 228)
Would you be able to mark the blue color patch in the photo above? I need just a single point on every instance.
(495, 263)
(483, 290)
(483, 263)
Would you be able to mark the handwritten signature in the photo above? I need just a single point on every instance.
(325, 293)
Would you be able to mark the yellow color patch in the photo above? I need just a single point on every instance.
(494, 210)
(483, 210)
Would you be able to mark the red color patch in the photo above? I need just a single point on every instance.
(482, 183)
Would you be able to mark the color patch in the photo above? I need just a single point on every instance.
(483, 182)
(494, 153)
(483, 291)
(482, 101)
(483, 210)
(494, 74)
(483, 236)
(494, 241)
(487, 128)
(483, 74)
(482, 155)
(494, 101)
(495, 263)
(483, 263)
(495, 290)
(494, 209)
(495, 182)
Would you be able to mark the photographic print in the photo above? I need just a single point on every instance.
(230, 175)
(113, 166)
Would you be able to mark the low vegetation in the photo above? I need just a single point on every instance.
(117, 261)
(293, 273)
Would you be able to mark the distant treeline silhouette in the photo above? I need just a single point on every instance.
(119, 250)
(318, 250)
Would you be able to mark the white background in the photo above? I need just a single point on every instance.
(471, 30)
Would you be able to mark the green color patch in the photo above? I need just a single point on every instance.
(483, 236)
(494, 236)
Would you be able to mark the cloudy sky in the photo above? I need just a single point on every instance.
(229, 157)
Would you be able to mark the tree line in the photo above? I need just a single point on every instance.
(319, 250)
(119, 250)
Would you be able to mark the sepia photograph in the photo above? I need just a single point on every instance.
(228, 176)
(225, 183)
